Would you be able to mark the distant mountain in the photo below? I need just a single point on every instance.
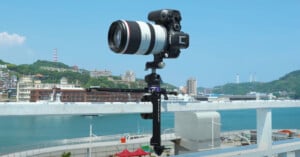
(288, 85)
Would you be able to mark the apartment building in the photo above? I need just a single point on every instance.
(192, 86)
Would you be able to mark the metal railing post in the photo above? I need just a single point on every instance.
(264, 129)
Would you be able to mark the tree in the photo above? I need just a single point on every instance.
(66, 154)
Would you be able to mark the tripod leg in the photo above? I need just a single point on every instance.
(156, 122)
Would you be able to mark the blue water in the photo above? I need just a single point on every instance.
(24, 130)
(246, 119)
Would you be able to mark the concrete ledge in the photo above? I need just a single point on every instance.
(85, 108)
(250, 151)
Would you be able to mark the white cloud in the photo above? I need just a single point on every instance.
(11, 39)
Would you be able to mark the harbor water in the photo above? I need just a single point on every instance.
(18, 131)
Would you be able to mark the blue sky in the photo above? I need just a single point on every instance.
(226, 37)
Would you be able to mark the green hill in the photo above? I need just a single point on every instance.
(52, 72)
(43, 63)
(288, 85)
(2, 62)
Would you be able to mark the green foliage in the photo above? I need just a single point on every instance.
(101, 81)
(55, 76)
(9, 65)
(42, 63)
(52, 72)
(297, 93)
(236, 89)
(168, 86)
(50, 76)
(289, 83)
(2, 62)
(66, 154)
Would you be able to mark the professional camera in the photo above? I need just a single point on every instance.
(163, 39)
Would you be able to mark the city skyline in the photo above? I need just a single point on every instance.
(226, 38)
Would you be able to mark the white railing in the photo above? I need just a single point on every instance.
(263, 117)
(85, 142)
(84, 108)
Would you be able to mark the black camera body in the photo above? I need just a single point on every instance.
(177, 39)
(163, 39)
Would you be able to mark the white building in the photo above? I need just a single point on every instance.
(129, 76)
(24, 87)
(3, 66)
(97, 73)
(192, 86)
(63, 84)
(26, 84)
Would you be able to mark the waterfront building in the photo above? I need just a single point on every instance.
(24, 86)
(4, 80)
(82, 95)
(8, 85)
(192, 86)
(63, 84)
(11, 94)
(3, 66)
(1, 84)
(27, 83)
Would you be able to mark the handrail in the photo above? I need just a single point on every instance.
(74, 141)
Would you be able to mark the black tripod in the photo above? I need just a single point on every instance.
(153, 80)
(155, 92)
